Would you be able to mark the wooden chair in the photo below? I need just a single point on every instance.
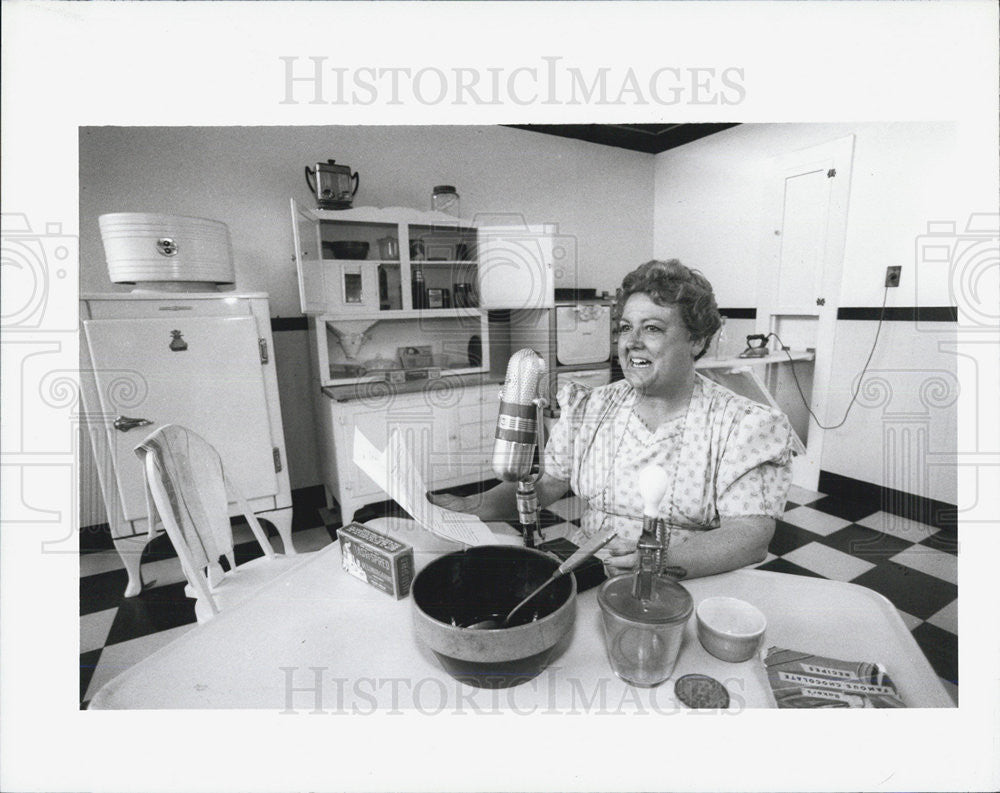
(187, 488)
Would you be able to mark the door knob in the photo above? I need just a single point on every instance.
(124, 423)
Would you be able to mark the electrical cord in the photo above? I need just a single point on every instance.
(857, 388)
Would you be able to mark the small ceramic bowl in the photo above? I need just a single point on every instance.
(730, 629)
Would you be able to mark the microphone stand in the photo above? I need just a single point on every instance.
(527, 498)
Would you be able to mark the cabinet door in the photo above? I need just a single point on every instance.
(308, 260)
(202, 372)
(475, 426)
(516, 266)
(425, 429)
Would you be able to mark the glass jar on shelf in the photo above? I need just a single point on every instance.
(444, 198)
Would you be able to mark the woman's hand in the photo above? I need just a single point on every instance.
(454, 503)
(622, 557)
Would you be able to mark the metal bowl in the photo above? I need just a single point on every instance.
(346, 249)
(465, 587)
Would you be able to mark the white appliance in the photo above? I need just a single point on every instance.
(583, 334)
(204, 360)
(582, 344)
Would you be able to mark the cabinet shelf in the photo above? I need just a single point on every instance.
(331, 260)
(415, 384)
(410, 313)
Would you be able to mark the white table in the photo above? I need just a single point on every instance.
(317, 639)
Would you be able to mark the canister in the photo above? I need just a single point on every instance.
(444, 198)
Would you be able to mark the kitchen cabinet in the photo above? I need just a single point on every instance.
(449, 429)
(422, 294)
(202, 360)
(405, 336)
(518, 263)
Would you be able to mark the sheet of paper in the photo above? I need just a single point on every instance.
(395, 471)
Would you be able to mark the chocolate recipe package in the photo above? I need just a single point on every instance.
(802, 680)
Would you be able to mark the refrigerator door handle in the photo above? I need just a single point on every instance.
(124, 423)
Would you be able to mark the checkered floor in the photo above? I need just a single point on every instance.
(914, 565)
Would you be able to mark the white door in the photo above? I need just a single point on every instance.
(516, 266)
(204, 373)
(799, 279)
(802, 242)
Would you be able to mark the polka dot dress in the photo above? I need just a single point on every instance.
(731, 458)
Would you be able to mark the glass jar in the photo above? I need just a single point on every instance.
(445, 199)
(643, 637)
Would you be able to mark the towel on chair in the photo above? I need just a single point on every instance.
(192, 474)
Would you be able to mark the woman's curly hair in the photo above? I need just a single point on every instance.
(670, 283)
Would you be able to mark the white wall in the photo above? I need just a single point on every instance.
(244, 176)
(709, 207)
(709, 203)
(902, 432)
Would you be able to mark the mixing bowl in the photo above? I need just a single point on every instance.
(730, 629)
(466, 587)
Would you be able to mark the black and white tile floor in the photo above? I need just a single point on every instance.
(914, 565)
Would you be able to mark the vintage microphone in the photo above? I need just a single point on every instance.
(520, 430)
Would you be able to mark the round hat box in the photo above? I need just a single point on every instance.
(167, 252)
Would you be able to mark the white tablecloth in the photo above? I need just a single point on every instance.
(317, 639)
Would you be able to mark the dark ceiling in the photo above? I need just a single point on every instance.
(649, 138)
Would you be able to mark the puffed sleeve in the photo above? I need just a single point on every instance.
(559, 448)
(756, 467)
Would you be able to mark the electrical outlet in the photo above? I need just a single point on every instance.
(892, 276)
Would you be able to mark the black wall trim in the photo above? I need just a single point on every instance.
(900, 313)
(289, 323)
(939, 514)
(739, 313)
(867, 313)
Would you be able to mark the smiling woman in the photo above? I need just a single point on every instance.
(727, 458)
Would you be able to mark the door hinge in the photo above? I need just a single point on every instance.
(277, 459)
(262, 343)
(831, 173)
